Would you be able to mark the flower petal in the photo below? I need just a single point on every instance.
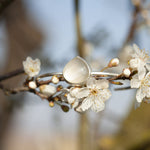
(140, 95)
(135, 82)
(83, 92)
(70, 98)
(75, 104)
(98, 105)
(141, 70)
(134, 63)
(104, 94)
(91, 82)
(74, 91)
(87, 103)
(102, 84)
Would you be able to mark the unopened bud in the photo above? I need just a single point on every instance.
(113, 62)
(55, 79)
(126, 72)
(65, 108)
(59, 88)
(56, 98)
(48, 89)
(51, 104)
(32, 85)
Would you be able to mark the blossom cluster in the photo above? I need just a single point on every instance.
(87, 89)
(140, 62)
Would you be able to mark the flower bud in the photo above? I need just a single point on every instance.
(59, 88)
(51, 104)
(126, 72)
(113, 62)
(65, 108)
(55, 79)
(32, 85)
(48, 89)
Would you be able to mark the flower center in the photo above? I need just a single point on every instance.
(32, 69)
(93, 92)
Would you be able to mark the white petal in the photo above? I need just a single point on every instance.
(141, 70)
(134, 63)
(104, 94)
(75, 104)
(83, 92)
(148, 77)
(139, 95)
(147, 93)
(135, 82)
(102, 84)
(74, 91)
(98, 105)
(91, 82)
(87, 103)
(70, 98)
(79, 109)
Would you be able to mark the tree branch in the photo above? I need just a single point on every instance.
(4, 4)
(11, 74)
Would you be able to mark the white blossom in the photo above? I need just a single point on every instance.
(93, 96)
(31, 67)
(143, 86)
(48, 89)
(139, 61)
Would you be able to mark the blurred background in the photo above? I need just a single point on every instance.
(55, 31)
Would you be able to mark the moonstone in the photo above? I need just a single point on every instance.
(76, 71)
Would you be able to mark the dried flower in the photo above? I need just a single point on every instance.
(31, 67)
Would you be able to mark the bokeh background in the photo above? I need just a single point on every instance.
(55, 31)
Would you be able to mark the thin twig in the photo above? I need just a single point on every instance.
(123, 88)
(11, 74)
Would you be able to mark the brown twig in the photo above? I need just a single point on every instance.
(123, 88)
(11, 74)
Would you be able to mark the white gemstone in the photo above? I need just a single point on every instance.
(76, 71)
